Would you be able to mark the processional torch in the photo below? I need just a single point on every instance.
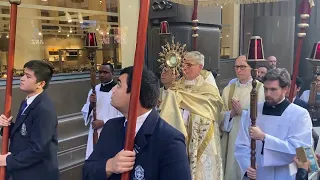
(255, 55)
(136, 79)
(164, 32)
(305, 10)
(314, 59)
(8, 95)
(91, 45)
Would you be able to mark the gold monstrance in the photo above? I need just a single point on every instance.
(171, 57)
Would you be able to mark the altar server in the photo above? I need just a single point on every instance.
(103, 107)
(281, 128)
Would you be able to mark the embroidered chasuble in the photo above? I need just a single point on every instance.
(230, 126)
(203, 105)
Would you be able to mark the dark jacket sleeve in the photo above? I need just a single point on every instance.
(174, 163)
(43, 128)
(94, 167)
(302, 174)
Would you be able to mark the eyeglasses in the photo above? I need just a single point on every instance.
(188, 65)
(242, 67)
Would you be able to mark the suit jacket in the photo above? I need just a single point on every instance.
(161, 151)
(33, 142)
(301, 103)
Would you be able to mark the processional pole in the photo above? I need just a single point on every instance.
(305, 10)
(91, 45)
(136, 78)
(10, 63)
(195, 27)
(255, 55)
(314, 59)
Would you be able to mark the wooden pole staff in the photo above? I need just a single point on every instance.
(195, 24)
(10, 63)
(136, 79)
(253, 107)
(305, 10)
(313, 92)
(93, 87)
(255, 55)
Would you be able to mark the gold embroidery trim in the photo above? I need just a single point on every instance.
(206, 141)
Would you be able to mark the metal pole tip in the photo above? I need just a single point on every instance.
(17, 2)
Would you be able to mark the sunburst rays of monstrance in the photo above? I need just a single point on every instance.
(171, 57)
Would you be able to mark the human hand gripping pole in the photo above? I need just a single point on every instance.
(8, 95)
(136, 78)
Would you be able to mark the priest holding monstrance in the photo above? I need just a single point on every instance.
(281, 127)
(192, 106)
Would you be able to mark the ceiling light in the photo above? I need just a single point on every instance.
(59, 30)
(70, 30)
(40, 33)
(7, 36)
(68, 35)
(69, 19)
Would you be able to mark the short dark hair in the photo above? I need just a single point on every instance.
(150, 87)
(279, 74)
(298, 81)
(42, 70)
(108, 64)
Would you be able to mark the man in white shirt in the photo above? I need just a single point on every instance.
(305, 95)
(281, 127)
(159, 149)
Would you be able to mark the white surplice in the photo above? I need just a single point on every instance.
(104, 110)
(283, 135)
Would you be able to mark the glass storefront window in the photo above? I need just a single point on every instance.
(54, 31)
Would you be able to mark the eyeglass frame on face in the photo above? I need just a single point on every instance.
(241, 67)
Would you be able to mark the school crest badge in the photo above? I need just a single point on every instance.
(139, 173)
(23, 130)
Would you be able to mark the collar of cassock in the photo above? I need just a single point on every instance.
(106, 87)
(238, 83)
(275, 110)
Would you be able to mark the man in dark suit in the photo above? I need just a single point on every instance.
(33, 136)
(159, 149)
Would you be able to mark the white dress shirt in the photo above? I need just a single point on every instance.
(140, 120)
(30, 100)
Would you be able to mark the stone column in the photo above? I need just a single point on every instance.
(29, 45)
(230, 34)
(95, 5)
(129, 14)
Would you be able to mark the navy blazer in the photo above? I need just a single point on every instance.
(161, 151)
(33, 142)
(301, 103)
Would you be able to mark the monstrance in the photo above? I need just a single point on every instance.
(171, 57)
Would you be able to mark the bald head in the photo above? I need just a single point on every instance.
(272, 62)
(242, 69)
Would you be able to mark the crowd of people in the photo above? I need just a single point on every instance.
(186, 130)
